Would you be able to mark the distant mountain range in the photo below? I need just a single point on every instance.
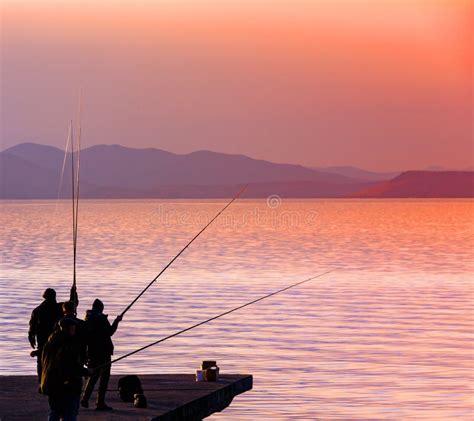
(424, 184)
(32, 171)
(357, 173)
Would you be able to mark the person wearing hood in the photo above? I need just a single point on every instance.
(43, 321)
(62, 372)
(100, 349)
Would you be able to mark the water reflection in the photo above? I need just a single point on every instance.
(388, 336)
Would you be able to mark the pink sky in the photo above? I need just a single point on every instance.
(381, 84)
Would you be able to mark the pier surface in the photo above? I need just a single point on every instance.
(169, 396)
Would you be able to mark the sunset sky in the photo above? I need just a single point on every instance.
(380, 84)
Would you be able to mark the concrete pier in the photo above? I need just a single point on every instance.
(170, 397)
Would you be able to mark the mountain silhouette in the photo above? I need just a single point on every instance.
(358, 173)
(117, 171)
(424, 184)
(32, 171)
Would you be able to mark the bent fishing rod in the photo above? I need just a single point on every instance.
(182, 251)
(213, 318)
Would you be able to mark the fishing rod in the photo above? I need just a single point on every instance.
(76, 214)
(74, 193)
(214, 318)
(182, 250)
(73, 176)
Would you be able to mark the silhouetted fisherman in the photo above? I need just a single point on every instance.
(61, 377)
(99, 351)
(43, 320)
(69, 311)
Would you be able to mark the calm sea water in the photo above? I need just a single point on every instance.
(388, 336)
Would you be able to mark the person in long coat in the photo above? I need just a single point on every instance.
(62, 372)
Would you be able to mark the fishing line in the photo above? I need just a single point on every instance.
(64, 165)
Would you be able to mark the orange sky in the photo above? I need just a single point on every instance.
(382, 84)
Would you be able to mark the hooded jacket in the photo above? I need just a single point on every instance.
(99, 334)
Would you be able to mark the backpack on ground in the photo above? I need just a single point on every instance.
(128, 386)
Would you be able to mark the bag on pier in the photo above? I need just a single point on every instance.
(129, 386)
